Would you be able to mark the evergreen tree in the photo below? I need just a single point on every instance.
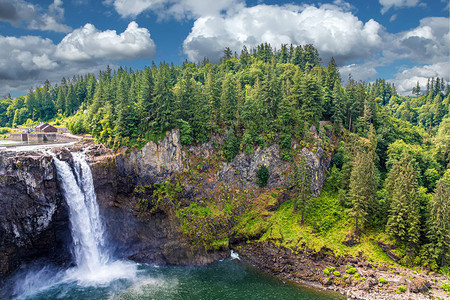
(416, 90)
(212, 97)
(90, 88)
(301, 182)
(70, 101)
(126, 118)
(228, 99)
(332, 76)
(60, 100)
(31, 105)
(311, 95)
(439, 221)
(363, 187)
(164, 108)
(145, 104)
(338, 105)
(402, 191)
(269, 94)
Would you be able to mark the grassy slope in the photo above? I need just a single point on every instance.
(326, 227)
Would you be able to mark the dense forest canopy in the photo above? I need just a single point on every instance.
(391, 168)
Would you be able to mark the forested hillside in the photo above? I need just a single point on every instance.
(390, 170)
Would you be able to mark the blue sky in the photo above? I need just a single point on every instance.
(403, 41)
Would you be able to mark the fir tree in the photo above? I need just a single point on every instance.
(301, 183)
(439, 221)
(228, 99)
(362, 187)
(402, 188)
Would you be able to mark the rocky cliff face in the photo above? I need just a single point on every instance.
(134, 233)
(33, 217)
(242, 170)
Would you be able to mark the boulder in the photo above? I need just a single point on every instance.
(419, 285)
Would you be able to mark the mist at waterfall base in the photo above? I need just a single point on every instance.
(98, 275)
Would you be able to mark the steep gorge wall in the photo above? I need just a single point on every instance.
(34, 217)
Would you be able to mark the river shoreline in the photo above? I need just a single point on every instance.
(307, 269)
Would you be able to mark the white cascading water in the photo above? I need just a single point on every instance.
(94, 264)
(87, 229)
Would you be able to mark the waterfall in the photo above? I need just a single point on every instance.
(86, 225)
(93, 262)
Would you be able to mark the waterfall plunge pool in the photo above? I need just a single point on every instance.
(227, 279)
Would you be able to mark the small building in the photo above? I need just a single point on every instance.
(45, 128)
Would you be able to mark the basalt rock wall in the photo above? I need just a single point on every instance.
(33, 218)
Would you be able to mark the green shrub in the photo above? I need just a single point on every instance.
(345, 277)
(446, 288)
(77, 124)
(337, 273)
(185, 132)
(326, 271)
(382, 280)
(262, 175)
(445, 271)
(231, 145)
(402, 288)
(350, 270)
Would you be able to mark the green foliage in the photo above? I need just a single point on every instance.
(350, 270)
(363, 186)
(382, 280)
(185, 132)
(301, 182)
(4, 130)
(231, 145)
(445, 271)
(262, 176)
(446, 288)
(439, 220)
(402, 288)
(77, 124)
(330, 270)
(337, 273)
(404, 219)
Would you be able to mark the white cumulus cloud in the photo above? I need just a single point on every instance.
(175, 8)
(388, 4)
(333, 31)
(18, 12)
(27, 61)
(408, 78)
(365, 72)
(89, 43)
(427, 43)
